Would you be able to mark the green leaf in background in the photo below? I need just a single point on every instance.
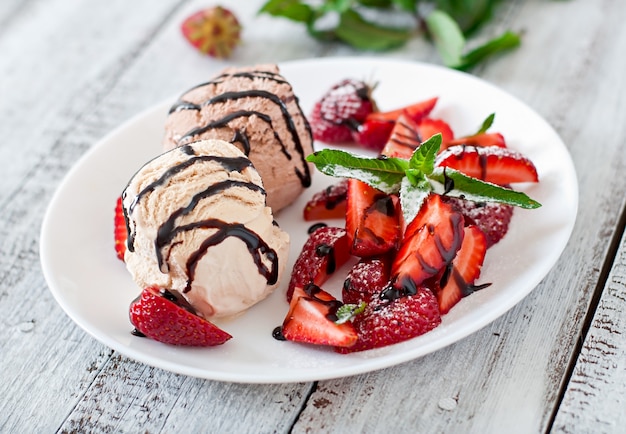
(447, 37)
(361, 34)
(468, 14)
(407, 5)
(479, 191)
(504, 42)
(294, 10)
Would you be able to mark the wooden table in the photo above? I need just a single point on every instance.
(72, 71)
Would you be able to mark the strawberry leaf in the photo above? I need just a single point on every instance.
(385, 174)
(458, 184)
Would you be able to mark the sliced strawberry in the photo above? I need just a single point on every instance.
(428, 127)
(325, 251)
(311, 319)
(491, 164)
(120, 234)
(373, 134)
(482, 140)
(404, 138)
(430, 243)
(464, 270)
(491, 217)
(367, 278)
(166, 317)
(415, 111)
(329, 203)
(385, 322)
(372, 220)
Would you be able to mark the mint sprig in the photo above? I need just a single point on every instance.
(416, 178)
(348, 311)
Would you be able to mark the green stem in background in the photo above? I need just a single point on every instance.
(447, 24)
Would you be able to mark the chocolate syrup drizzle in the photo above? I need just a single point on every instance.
(302, 173)
(168, 231)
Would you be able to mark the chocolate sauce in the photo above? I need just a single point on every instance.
(315, 227)
(312, 290)
(251, 75)
(327, 251)
(277, 334)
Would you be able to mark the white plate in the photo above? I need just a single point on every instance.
(94, 289)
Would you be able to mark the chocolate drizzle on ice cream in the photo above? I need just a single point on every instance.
(255, 109)
(199, 224)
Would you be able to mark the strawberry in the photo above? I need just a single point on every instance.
(491, 217)
(428, 127)
(482, 140)
(491, 164)
(373, 134)
(385, 322)
(430, 242)
(165, 316)
(325, 251)
(311, 319)
(214, 31)
(464, 270)
(404, 138)
(341, 110)
(372, 220)
(329, 203)
(367, 278)
(415, 111)
(120, 232)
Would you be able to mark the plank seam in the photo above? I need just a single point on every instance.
(305, 402)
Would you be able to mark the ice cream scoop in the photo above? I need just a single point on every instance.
(256, 109)
(198, 223)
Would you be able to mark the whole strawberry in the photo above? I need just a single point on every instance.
(166, 317)
(341, 111)
(214, 31)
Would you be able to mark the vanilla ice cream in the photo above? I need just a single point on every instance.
(254, 108)
(198, 223)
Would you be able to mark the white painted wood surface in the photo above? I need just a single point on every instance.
(71, 71)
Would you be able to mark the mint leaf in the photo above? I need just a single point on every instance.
(487, 123)
(412, 196)
(479, 191)
(469, 14)
(447, 37)
(363, 35)
(506, 41)
(384, 174)
(348, 311)
(294, 10)
(423, 159)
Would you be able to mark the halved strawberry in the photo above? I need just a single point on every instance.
(367, 278)
(373, 134)
(325, 251)
(464, 270)
(166, 317)
(431, 241)
(428, 127)
(404, 138)
(415, 111)
(120, 234)
(311, 319)
(491, 164)
(329, 203)
(482, 140)
(385, 322)
(372, 220)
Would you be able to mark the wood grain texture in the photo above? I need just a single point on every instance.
(91, 67)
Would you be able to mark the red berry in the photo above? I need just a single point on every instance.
(214, 31)
(120, 234)
(166, 317)
(373, 134)
(366, 279)
(491, 164)
(340, 111)
(414, 111)
(329, 203)
(325, 251)
(404, 138)
(482, 140)
(311, 319)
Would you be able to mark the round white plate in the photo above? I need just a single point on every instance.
(94, 288)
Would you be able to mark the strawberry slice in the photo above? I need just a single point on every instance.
(120, 233)
(165, 316)
(372, 220)
(404, 138)
(325, 251)
(415, 111)
(329, 203)
(385, 322)
(500, 166)
(373, 134)
(367, 278)
(431, 241)
(482, 140)
(464, 270)
(428, 127)
(311, 319)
